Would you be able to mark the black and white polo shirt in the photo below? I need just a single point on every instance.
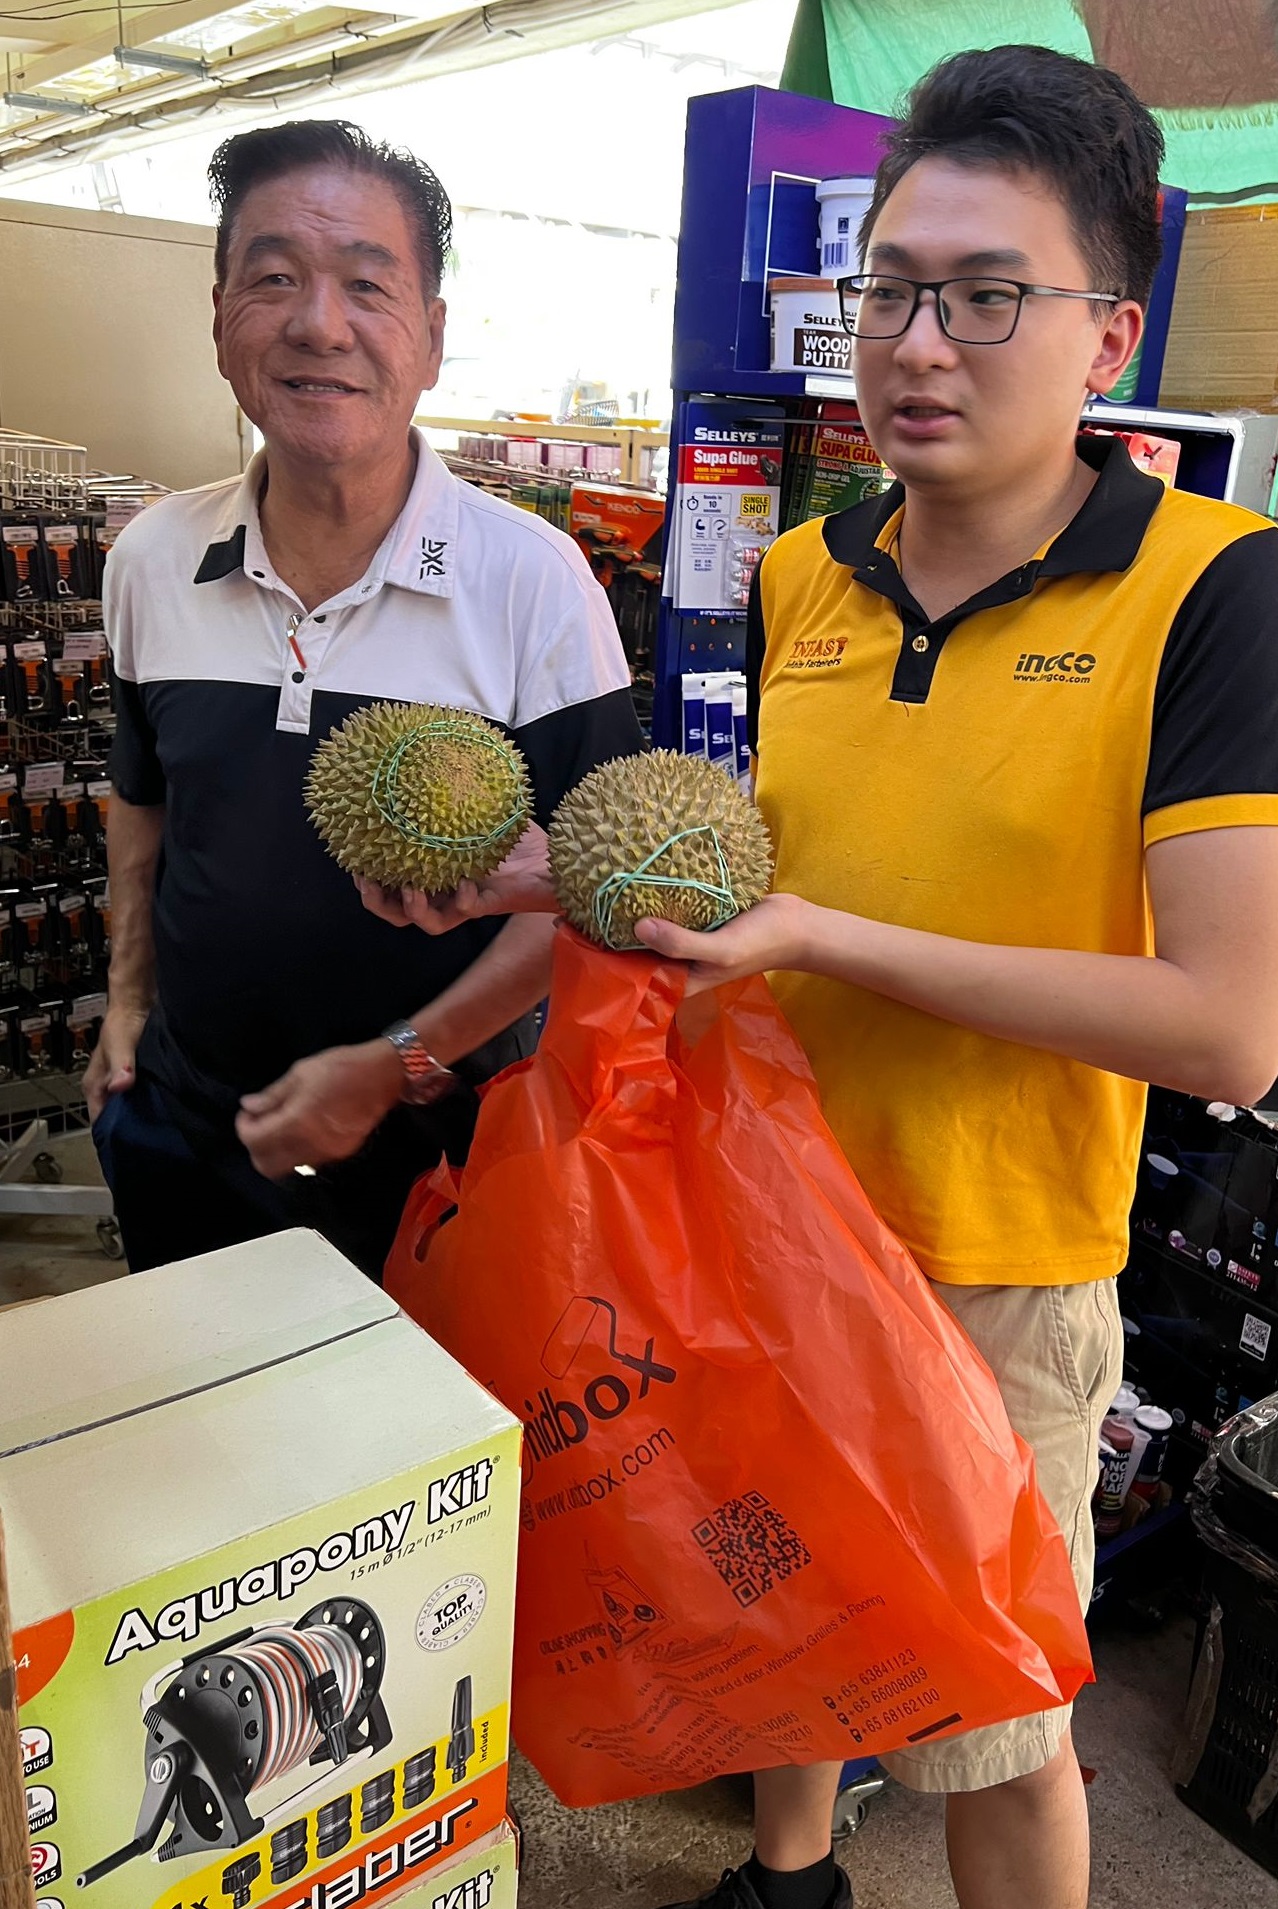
(227, 684)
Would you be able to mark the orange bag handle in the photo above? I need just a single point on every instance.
(434, 1195)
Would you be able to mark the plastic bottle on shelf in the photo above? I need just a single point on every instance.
(1126, 1403)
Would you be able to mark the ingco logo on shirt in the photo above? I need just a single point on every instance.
(817, 652)
(1071, 666)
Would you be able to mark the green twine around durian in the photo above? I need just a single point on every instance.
(610, 892)
(385, 789)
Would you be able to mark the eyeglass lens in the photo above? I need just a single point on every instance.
(973, 311)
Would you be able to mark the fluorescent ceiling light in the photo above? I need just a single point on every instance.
(161, 62)
(45, 103)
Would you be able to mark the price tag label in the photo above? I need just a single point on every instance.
(43, 778)
(85, 646)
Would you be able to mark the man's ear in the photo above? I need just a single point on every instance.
(1118, 345)
(435, 321)
(217, 327)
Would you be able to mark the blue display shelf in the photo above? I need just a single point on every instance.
(752, 163)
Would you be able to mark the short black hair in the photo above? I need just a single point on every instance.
(268, 152)
(1077, 126)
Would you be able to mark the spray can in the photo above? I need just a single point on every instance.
(1116, 1450)
(1156, 1424)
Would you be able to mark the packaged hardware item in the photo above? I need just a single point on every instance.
(727, 504)
(22, 572)
(721, 741)
(863, 1559)
(486, 1878)
(740, 728)
(808, 333)
(254, 1678)
(836, 468)
(619, 532)
(843, 204)
(65, 568)
(693, 689)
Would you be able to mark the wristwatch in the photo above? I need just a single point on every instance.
(425, 1078)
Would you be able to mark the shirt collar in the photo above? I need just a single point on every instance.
(419, 551)
(1105, 534)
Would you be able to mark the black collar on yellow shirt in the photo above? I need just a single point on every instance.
(1105, 535)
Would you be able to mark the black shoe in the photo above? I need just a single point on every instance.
(735, 1891)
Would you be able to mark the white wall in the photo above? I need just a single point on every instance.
(104, 341)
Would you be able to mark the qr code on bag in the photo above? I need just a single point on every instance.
(751, 1546)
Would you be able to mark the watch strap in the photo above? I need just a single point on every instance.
(425, 1078)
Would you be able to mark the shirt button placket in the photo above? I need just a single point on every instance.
(295, 691)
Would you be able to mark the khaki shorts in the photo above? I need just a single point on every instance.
(1057, 1353)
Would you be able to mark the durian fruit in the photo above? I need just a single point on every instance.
(662, 835)
(418, 796)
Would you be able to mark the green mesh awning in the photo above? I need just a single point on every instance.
(1208, 68)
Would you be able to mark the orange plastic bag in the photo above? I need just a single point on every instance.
(773, 1509)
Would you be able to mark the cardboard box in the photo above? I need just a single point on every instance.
(1222, 348)
(256, 1440)
(487, 1878)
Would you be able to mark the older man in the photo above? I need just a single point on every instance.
(260, 1020)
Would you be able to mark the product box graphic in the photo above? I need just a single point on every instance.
(1207, 1192)
(1199, 1350)
(727, 503)
(261, 1543)
(486, 1878)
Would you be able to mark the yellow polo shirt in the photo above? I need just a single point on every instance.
(996, 775)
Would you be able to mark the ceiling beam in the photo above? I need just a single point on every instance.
(504, 30)
(141, 23)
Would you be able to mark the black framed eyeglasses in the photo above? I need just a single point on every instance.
(971, 311)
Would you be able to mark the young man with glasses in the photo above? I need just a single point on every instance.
(1026, 835)
(1026, 827)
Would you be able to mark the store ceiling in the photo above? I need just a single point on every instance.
(85, 79)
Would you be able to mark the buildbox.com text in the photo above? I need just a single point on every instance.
(601, 1484)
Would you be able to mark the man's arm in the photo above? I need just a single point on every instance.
(325, 1107)
(134, 835)
(1200, 1015)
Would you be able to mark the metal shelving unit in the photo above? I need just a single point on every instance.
(47, 479)
(632, 440)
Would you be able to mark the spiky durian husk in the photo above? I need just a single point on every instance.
(681, 810)
(393, 774)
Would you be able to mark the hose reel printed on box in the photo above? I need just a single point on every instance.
(262, 1705)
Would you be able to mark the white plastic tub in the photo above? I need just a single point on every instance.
(807, 330)
(843, 204)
